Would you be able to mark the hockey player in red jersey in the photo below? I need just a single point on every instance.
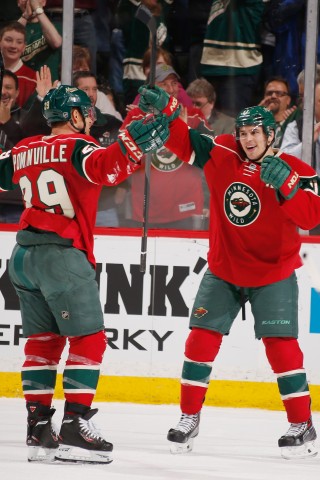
(176, 195)
(258, 199)
(52, 265)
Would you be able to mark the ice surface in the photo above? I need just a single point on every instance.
(233, 444)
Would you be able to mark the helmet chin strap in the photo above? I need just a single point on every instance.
(80, 130)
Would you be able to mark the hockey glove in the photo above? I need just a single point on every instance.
(143, 136)
(276, 172)
(156, 100)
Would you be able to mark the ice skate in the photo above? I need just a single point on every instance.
(181, 437)
(81, 442)
(42, 439)
(299, 440)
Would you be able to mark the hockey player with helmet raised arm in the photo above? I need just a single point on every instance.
(258, 198)
(52, 265)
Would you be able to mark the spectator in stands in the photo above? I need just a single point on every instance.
(278, 100)
(176, 194)
(292, 138)
(12, 45)
(103, 18)
(203, 96)
(117, 54)
(11, 205)
(163, 56)
(17, 123)
(231, 57)
(81, 62)
(136, 37)
(198, 12)
(43, 38)
(284, 55)
(10, 112)
(84, 32)
(105, 130)
(106, 126)
(111, 205)
(9, 12)
(33, 121)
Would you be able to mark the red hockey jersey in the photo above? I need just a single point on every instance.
(61, 178)
(254, 239)
(176, 189)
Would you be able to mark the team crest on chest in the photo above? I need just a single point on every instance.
(166, 161)
(241, 204)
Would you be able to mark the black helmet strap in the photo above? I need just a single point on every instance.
(80, 130)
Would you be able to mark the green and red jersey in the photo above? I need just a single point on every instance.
(254, 237)
(176, 189)
(61, 177)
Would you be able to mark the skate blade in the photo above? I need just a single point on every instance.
(180, 448)
(67, 453)
(308, 450)
(40, 454)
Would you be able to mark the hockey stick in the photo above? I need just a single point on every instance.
(145, 16)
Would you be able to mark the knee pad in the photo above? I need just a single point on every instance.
(44, 349)
(284, 354)
(203, 345)
(88, 349)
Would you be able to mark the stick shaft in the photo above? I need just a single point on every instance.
(146, 195)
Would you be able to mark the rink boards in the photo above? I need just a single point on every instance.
(147, 316)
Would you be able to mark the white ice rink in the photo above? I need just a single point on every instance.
(233, 444)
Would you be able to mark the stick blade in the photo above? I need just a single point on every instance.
(145, 16)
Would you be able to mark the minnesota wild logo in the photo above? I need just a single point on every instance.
(241, 204)
(200, 312)
(166, 161)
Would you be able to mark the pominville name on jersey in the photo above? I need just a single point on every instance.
(39, 155)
